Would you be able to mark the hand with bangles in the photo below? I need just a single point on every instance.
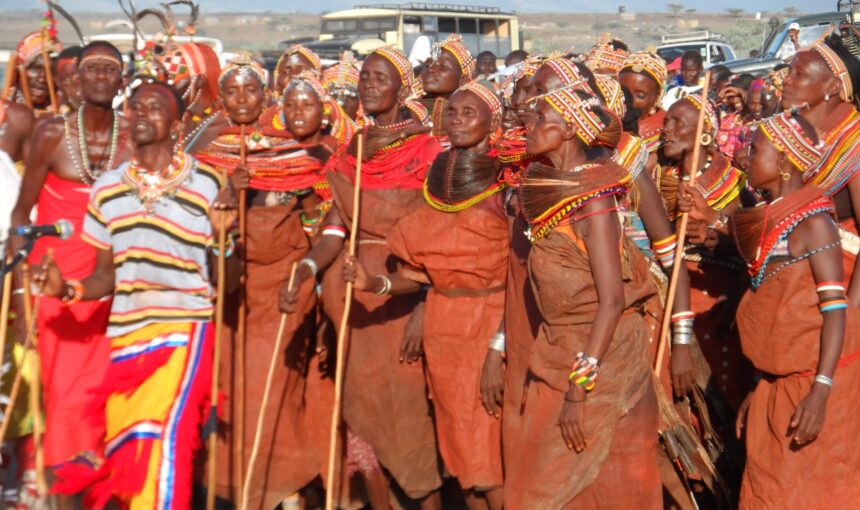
(808, 419)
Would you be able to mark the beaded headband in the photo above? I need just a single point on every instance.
(419, 112)
(100, 58)
(30, 48)
(485, 93)
(306, 80)
(710, 115)
(786, 134)
(342, 127)
(603, 56)
(342, 75)
(569, 74)
(613, 97)
(453, 44)
(579, 112)
(650, 64)
(837, 67)
(244, 66)
(298, 49)
(401, 64)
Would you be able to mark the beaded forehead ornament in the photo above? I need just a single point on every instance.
(649, 64)
(295, 50)
(400, 63)
(610, 89)
(30, 48)
(579, 111)
(244, 68)
(786, 134)
(486, 94)
(837, 67)
(343, 75)
(603, 56)
(454, 45)
(568, 73)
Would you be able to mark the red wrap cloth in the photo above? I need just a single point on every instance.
(73, 349)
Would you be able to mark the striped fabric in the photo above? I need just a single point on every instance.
(160, 257)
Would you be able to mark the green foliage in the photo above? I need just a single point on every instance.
(675, 8)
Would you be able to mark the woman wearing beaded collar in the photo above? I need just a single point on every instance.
(801, 419)
(67, 155)
(583, 434)
(462, 250)
(452, 66)
(385, 404)
(824, 82)
(282, 174)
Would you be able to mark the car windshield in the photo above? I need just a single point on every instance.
(670, 53)
(782, 47)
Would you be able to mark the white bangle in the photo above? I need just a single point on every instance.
(823, 379)
(311, 265)
(386, 285)
(682, 338)
(497, 342)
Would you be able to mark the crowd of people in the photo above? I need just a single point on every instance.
(581, 280)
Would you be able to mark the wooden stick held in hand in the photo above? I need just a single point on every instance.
(255, 449)
(341, 334)
(241, 333)
(682, 232)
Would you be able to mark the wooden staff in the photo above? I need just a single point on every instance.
(682, 231)
(4, 313)
(240, 333)
(25, 86)
(341, 335)
(49, 75)
(216, 360)
(9, 79)
(268, 388)
(30, 315)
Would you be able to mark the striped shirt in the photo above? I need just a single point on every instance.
(160, 257)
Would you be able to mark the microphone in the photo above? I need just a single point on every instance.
(62, 229)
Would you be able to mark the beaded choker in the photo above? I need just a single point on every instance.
(150, 186)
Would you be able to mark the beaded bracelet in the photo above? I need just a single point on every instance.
(228, 252)
(684, 317)
(74, 292)
(832, 304)
(665, 250)
(826, 286)
(584, 372)
(334, 230)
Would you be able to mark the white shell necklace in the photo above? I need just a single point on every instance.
(87, 171)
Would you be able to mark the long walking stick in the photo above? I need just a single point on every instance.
(341, 334)
(682, 232)
(25, 87)
(30, 314)
(11, 74)
(216, 362)
(239, 442)
(4, 313)
(255, 449)
(49, 75)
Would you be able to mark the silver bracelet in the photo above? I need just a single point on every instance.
(497, 342)
(682, 338)
(307, 261)
(823, 379)
(386, 285)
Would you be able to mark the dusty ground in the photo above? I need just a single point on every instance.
(544, 32)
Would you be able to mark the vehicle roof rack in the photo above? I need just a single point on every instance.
(702, 35)
(422, 6)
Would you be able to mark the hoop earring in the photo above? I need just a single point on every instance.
(785, 176)
(706, 139)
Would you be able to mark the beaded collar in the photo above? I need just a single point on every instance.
(151, 187)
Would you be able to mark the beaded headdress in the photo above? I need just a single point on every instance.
(568, 73)
(342, 127)
(30, 48)
(298, 49)
(613, 97)
(786, 134)
(192, 59)
(343, 75)
(650, 64)
(243, 65)
(485, 92)
(454, 45)
(837, 67)
(401, 64)
(711, 125)
(578, 111)
(603, 56)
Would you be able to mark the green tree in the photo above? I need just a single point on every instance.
(735, 12)
(674, 8)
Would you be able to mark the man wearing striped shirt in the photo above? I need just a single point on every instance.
(153, 221)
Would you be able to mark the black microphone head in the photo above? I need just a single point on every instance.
(65, 228)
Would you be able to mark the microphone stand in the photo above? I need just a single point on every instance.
(19, 257)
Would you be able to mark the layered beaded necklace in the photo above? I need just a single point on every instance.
(151, 186)
(81, 158)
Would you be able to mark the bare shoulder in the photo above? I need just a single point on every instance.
(47, 134)
(18, 113)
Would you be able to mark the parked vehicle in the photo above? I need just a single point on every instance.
(775, 47)
(713, 47)
(367, 27)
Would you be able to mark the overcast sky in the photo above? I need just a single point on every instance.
(807, 6)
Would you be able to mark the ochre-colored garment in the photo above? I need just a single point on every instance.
(73, 350)
(287, 460)
(465, 255)
(551, 476)
(522, 320)
(385, 401)
(785, 345)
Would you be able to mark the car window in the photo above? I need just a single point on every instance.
(717, 54)
(808, 35)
